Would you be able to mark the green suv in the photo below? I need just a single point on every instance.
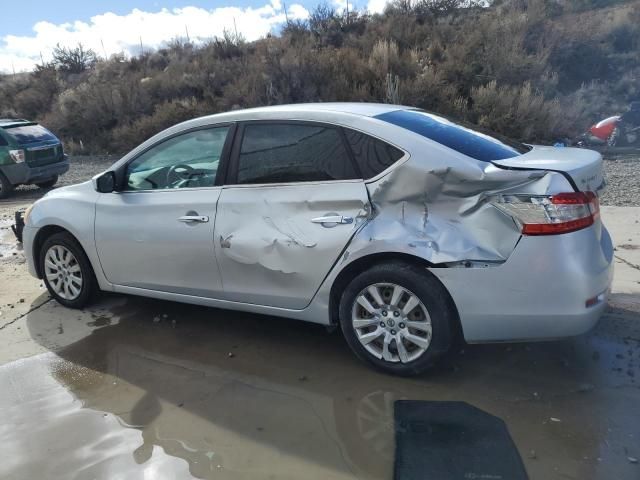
(29, 154)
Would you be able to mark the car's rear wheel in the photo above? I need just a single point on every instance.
(49, 183)
(5, 186)
(67, 271)
(397, 317)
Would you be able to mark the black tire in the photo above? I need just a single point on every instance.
(49, 183)
(5, 186)
(89, 284)
(428, 290)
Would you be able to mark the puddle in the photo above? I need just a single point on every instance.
(136, 398)
(47, 433)
(99, 320)
(9, 246)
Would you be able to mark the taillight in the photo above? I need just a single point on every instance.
(17, 155)
(549, 215)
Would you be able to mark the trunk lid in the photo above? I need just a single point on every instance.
(582, 167)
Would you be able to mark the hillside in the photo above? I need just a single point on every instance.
(535, 70)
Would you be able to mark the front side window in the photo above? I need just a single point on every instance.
(189, 160)
(277, 153)
(372, 156)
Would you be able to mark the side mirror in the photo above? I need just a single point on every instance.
(106, 183)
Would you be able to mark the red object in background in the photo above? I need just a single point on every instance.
(604, 128)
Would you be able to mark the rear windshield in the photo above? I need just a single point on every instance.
(30, 133)
(466, 139)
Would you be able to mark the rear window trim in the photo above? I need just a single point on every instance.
(406, 155)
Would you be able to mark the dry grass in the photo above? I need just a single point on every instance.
(535, 70)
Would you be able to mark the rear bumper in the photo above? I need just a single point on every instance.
(540, 292)
(22, 173)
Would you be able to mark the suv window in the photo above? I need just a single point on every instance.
(279, 152)
(372, 156)
(189, 160)
(3, 142)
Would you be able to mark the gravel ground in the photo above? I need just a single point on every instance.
(82, 168)
(85, 167)
(622, 176)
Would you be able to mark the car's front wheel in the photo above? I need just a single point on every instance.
(397, 317)
(67, 271)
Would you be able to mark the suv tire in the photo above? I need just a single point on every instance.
(5, 186)
(406, 308)
(49, 183)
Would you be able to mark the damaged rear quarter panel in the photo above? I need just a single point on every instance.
(437, 206)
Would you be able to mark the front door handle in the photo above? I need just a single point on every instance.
(193, 219)
(332, 218)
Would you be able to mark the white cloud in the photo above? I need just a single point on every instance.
(110, 33)
(340, 5)
(297, 12)
(377, 6)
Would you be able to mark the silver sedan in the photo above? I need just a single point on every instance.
(403, 227)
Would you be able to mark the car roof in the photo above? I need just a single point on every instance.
(352, 108)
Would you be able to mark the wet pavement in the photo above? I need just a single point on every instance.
(139, 388)
(149, 388)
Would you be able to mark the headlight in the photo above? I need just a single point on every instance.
(17, 155)
(25, 217)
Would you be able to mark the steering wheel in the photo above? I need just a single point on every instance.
(177, 174)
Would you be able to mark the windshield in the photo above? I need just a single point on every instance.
(30, 133)
(464, 138)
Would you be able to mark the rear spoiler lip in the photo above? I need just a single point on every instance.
(19, 124)
(564, 174)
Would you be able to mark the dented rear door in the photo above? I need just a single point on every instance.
(294, 202)
(275, 244)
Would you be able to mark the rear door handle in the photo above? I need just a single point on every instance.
(193, 219)
(333, 218)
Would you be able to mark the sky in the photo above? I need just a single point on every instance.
(30, 29)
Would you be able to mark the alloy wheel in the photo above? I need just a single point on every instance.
(63, 272)
(391, 323)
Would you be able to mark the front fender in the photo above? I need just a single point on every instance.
(72, 209)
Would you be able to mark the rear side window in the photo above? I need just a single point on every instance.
(30, 134)
(466, 139)
(275, 153)
(372, 156)
(3, 142)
